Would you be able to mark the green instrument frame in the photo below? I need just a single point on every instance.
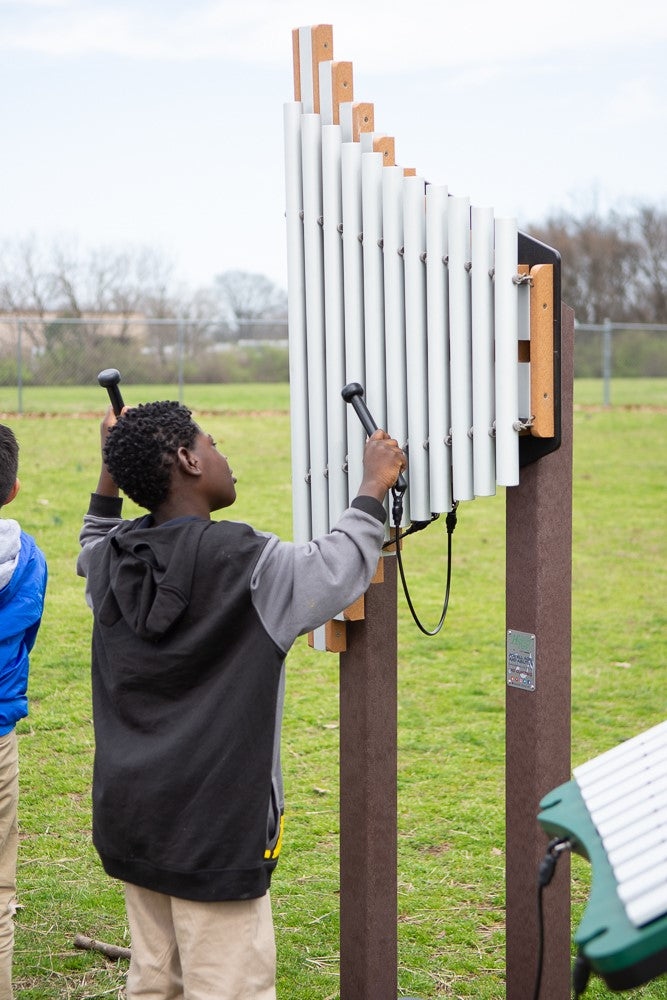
(625, 956)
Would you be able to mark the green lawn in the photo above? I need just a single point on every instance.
(451, 722)
(253, 397)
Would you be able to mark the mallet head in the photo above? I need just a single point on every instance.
(109, 380)
(110, 376)
(350, 390)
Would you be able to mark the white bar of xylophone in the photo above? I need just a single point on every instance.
(597, 781)
(628, 835)
(460, 347)
(640, 848)
(296, 319)
(652, 859)
(636, 747)
(437, 324)
(629, 796)
(638, 751)
(648, 907)
(483, 389)
(634, 808)
(414, 234)
(638, 886)
(640, 773)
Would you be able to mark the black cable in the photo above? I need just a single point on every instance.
(581, 973)
(545, 875)
(397, 514)
(414, 527)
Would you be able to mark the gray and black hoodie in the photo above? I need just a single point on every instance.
(192, 622)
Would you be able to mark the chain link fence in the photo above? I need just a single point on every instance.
(36, 352)
(619, 350)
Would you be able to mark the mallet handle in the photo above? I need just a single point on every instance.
(109, 380)
(353, 393)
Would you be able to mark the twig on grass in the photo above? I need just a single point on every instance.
(112, 951)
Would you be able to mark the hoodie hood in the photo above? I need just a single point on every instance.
(10, 548)
(145, 574)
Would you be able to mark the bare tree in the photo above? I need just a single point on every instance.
(245, 298)
(599, 262)
(25, 283)
(650, 232)
(71, 282)
(614, 266)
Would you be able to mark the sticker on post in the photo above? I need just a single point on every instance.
(521, 659)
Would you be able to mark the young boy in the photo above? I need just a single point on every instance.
(192, 622)
(22, 587)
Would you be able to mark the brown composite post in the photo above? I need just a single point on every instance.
(539, 584)
(368, 773)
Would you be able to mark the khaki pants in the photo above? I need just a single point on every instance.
(9, 836)
(187, 950)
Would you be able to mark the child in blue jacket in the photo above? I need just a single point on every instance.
(22, 586)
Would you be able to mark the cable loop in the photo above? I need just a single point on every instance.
(397, 514)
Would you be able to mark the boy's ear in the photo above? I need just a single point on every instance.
(188, 462)
(12, 493)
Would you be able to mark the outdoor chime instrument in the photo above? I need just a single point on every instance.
(449, 317)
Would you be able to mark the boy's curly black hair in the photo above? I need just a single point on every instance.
(140, 449)
(9, 462)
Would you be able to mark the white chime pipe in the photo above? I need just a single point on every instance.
(394, 311)
(311, 153)
(332, 220)
(483, 384)
(326, 93)
(345, 111)
(506, 340)
(437, 318)
(414, 242)
(371, 198)
(460, 347)
(306, 70)
(296, 321)
(355, 369)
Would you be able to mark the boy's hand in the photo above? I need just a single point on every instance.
(106, 486)
(108, 422)
(383, 460)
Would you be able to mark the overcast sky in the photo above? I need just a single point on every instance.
(129, 122)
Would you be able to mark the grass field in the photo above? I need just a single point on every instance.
(222, 398)
(451, 721)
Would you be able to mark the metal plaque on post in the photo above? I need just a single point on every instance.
(521, 659)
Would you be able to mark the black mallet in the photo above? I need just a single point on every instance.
(109, 380)
(354, 393)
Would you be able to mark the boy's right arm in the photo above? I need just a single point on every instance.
(104, 511)
(296, 588)
(102, 516)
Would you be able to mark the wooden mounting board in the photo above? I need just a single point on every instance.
(539, 350)
(542, 350)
